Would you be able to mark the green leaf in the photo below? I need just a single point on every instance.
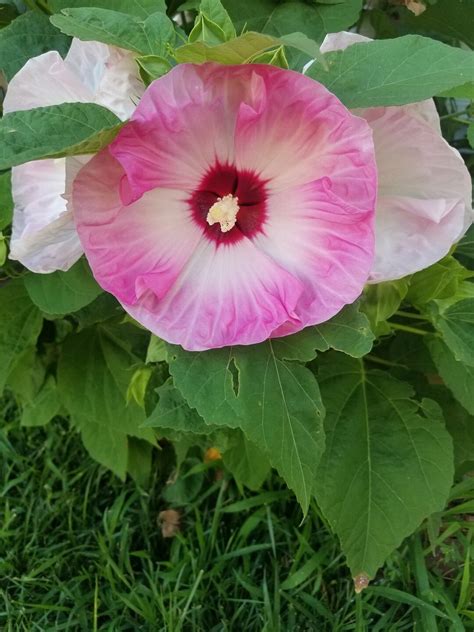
(248, 465)
(274, 57)
(455, 321)
(20, 325)
(8, 13)
(29, 35)
(27, 376)
(388, 462)
(150, 36)
(452, 19)
(275, 402)
(439, 281)
(63, 292)
(44, 406)
(94, 372)
(68, 129)
(106, 445)
(137, 8)
(457, 376)
(466, 91)
(394, 71)
(280, 19)
(139, 460)
(461, 428)
(470, 134)
(465, 249)
(173, 412)
(349, 332)
(237, 51)
(3, 249)
(152, 67)
(137, 388)
(157, 351)
(6, 201)
(380, 301)
(213, 24)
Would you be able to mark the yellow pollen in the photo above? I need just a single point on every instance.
(224, 212)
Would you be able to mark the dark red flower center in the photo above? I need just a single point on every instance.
(246, 187)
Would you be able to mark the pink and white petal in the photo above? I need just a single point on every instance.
(425, 197)
(43, 234)
(110, 73)
(55, 247)
(131, 249)
(324, 241)
(225, 295)
(182, 126)
(341, 41)
(45, 80)
(297, 131)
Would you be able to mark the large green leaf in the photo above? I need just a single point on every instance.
(381, 300)
(69, 129)
(388, 462)
(455, 321)
(248, 464)
(137, 8)
(147, 37)
(274, 18)
(172, 412)
(63, 292)
(394, 71)
(29, 35)
(6, 201)
(43, 407)
(20, 325)
(105, 444)
(274, 401)
(439, 281)
(93, 376)
(457, 376)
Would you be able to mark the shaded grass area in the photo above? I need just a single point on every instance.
(80, 550)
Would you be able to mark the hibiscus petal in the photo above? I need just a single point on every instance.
(45, 80)
(296, 131)
(424, 200)
(134, 248)
(110, 74)
(324, 241)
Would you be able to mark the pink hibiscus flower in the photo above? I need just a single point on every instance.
(424, 200)
(236, 205)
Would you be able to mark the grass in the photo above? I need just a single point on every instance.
(79, 550)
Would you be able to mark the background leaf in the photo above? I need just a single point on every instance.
(63, 292)
(20, 325)
(69, 129)
(6, 201)
(29, 35)
(147, 37)
(388, 462)
(455, 321)
(137, 8)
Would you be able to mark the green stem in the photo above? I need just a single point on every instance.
(411, 330)
(422, 583)
(410, 315)
(453, 114)
(378, 360)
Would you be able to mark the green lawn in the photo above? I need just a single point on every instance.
(80, 550)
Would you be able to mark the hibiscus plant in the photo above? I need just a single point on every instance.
(238, 224)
